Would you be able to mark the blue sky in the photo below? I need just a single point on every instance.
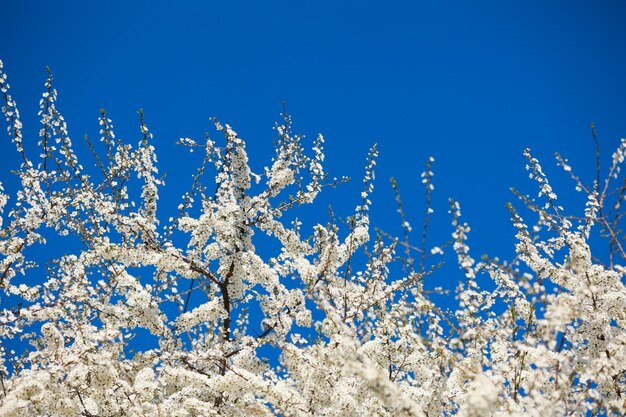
(470, 83)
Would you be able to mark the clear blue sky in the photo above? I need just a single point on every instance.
(471, 83)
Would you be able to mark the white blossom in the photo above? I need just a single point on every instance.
(155, 318)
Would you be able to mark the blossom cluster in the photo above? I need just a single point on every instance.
(356, 335)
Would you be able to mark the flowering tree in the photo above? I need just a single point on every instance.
(356, 330)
